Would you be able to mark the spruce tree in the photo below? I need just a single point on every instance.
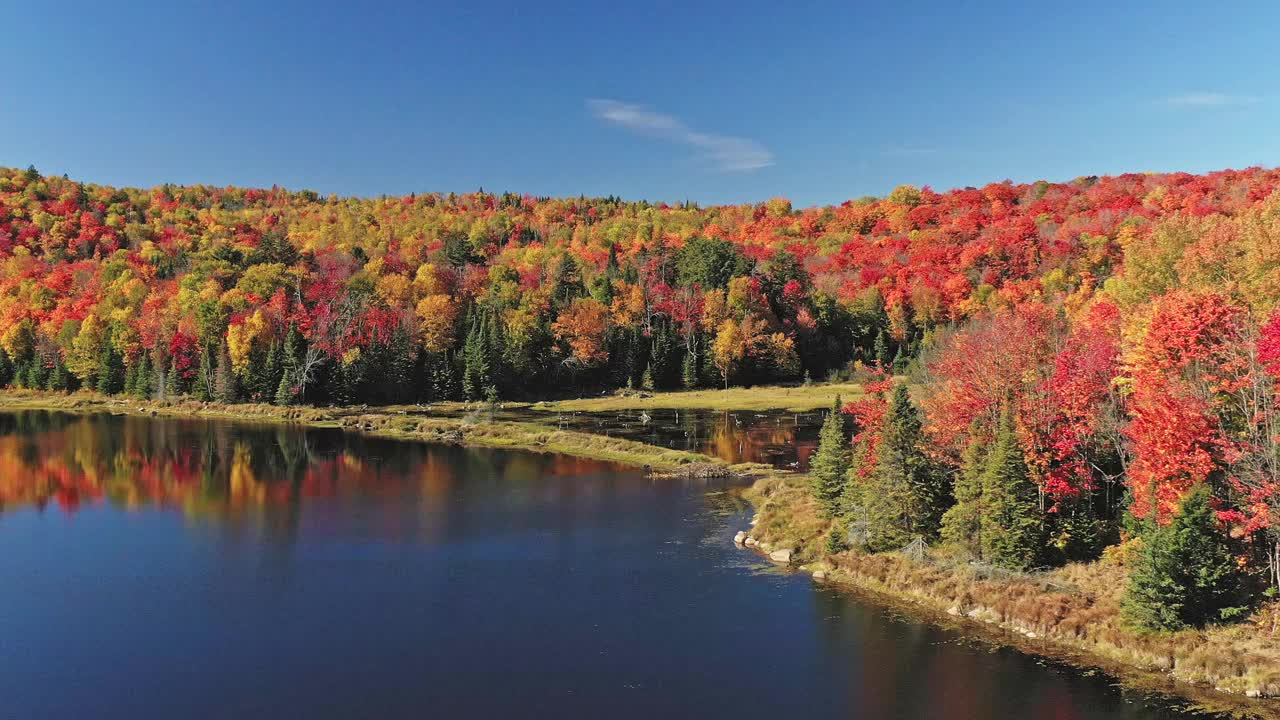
(402, 382)
(203, 389)
(830, 464)
(1012, 524)
(1186, 575)
(33, 378)
(269, 381)
(908, 493)
(646, 380)
(6, 369)
(131, 378)
(144, 384)
(291, 359)
(59, 378)
(110, 371)
(689, 371)
(285, 391)
(962, 524)
(475, 357)
(661, 358)
(881, 349)
(224, 378)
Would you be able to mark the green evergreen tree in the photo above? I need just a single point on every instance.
(59, 378)
(6, 369)
(1012, 523)
(110, 371)
(1186, 575)
(131, 378)
(401, 381)
(494, 345)
(662, 358)
(646, 381)
(286, 391)
(145, 382)
(224, 378)
(33, 378)
(475, 356)
(171, 386)
(962, 523)
(689, 371)
(830, 465)
(908, 493)
(881, 349)
(203, 388)
(837, 539)
(273, 369)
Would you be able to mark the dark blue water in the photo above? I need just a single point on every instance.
(158, 568)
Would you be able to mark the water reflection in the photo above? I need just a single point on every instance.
(216, 469)
(277, 572)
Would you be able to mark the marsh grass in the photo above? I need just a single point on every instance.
(796, 398)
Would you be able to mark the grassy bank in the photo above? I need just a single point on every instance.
(1073, 611)
(798, 398)
(475, 430)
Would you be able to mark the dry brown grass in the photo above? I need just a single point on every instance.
(1074, 610)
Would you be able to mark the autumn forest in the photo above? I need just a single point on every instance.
(1049, 367)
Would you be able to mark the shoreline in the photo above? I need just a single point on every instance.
(952, 597)
(391, 423)
(1055, 615)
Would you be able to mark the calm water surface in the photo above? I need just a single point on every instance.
(160, 568)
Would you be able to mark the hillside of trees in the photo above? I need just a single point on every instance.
(1092, 359)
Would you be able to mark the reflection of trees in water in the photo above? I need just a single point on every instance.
(207, 467)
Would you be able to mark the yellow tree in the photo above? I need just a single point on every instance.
(729, 349)
(436, 317)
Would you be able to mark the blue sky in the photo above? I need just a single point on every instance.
(715, 102)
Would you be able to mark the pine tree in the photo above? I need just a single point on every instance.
(203, 388)
(1012, 524)
(475, 371)
(882, 349)
(6, 369)
(59, 378)
(646, 380)
(33, 378)
(131, 378)
(269, 381)
(494, 344)
(110, 371)
(908, 493)
(1186, 575)
(401, 380)
(144, 384)
(962, 524)
(172, 386)
(830, 464)
(689, 371)
(662, 359)
(285, 391)
(224, 378)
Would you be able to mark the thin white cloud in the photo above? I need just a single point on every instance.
(1209, 100)
(725, 153)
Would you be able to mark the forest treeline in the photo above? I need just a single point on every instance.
(1094, 358)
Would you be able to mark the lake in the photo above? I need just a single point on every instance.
(198, 569)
